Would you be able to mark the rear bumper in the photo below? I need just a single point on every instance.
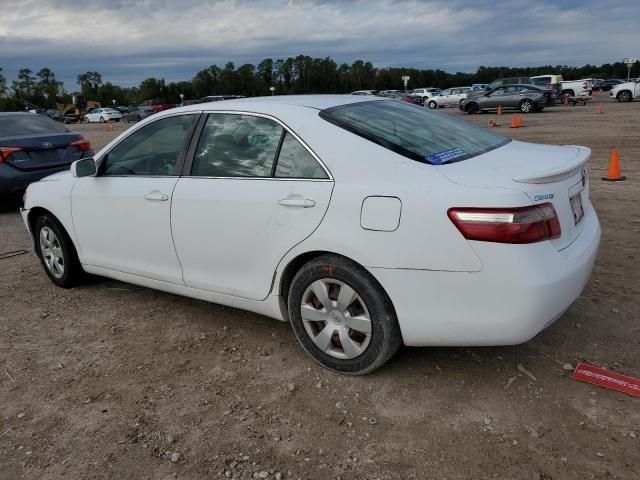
(521, 290)
(13, 181)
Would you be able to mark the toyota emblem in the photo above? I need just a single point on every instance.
(47, 144)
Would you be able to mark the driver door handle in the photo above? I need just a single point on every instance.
(157, 196)
(296, 202)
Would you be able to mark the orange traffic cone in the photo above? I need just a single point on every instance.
(600, 108)
(494, 123)
(514, 121)
(521, 121)
(613, 175)
(499, 112)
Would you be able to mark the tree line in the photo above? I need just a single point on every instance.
(294, 75)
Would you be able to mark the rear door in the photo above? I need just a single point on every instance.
(252, 192)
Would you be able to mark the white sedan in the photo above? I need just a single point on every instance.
(365, 222)
(103, 115)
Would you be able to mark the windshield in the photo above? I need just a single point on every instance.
(14, 125)
(413, 131)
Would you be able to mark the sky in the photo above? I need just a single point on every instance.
(130, 40)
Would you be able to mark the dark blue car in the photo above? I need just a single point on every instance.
(33, 146)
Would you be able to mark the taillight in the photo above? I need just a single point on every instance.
(6, 151)
(507, 225)
(83, 144)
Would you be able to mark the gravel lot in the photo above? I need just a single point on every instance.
(114, 381)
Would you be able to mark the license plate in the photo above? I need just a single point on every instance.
(576, 207)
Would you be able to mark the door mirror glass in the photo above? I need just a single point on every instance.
(85, 167)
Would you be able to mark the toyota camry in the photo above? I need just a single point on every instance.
(365, 222)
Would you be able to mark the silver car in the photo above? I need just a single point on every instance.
(451, 97)
(524, 98)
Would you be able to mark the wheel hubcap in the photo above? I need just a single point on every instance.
(51, 251)
(336, 318)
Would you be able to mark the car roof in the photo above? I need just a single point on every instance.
(265, 104)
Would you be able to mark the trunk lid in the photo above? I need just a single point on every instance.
(545, 173)
(43, 151)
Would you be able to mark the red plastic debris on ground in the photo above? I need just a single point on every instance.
(605, 378)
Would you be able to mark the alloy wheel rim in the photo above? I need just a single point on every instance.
(336, 318)
(526, 107)
(51, 251)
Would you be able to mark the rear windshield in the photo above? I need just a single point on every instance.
(413, 131)
(15, 125)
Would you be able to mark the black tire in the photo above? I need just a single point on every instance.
(385, 334)
(101, 119)
(72, 270)
(624, 96)
(433, 104)
(526, 106)
(471, 108)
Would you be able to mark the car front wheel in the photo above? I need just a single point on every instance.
(56, 252)
(471, 108)
(433, 104)
(624, 96)
(342, 317)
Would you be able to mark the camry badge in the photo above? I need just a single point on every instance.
(47, 144)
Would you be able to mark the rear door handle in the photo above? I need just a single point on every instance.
(157, 196)
(296, 202)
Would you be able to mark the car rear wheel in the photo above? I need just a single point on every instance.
(101, 119)
(526, 106)
(624, 96)
(56, 252)
(342, 317)
(433, 104)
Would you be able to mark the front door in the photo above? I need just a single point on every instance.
(254, 192)
(122, 216)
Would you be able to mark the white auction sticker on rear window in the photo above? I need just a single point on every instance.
(445, 156)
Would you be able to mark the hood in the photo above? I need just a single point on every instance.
(57, 177)
(628, 85)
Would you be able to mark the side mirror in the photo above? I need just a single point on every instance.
(85, 167)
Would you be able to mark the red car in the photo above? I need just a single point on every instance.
(158, 105)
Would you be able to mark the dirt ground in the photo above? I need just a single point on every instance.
(114, 381)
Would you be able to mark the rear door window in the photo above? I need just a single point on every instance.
(234, 145)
